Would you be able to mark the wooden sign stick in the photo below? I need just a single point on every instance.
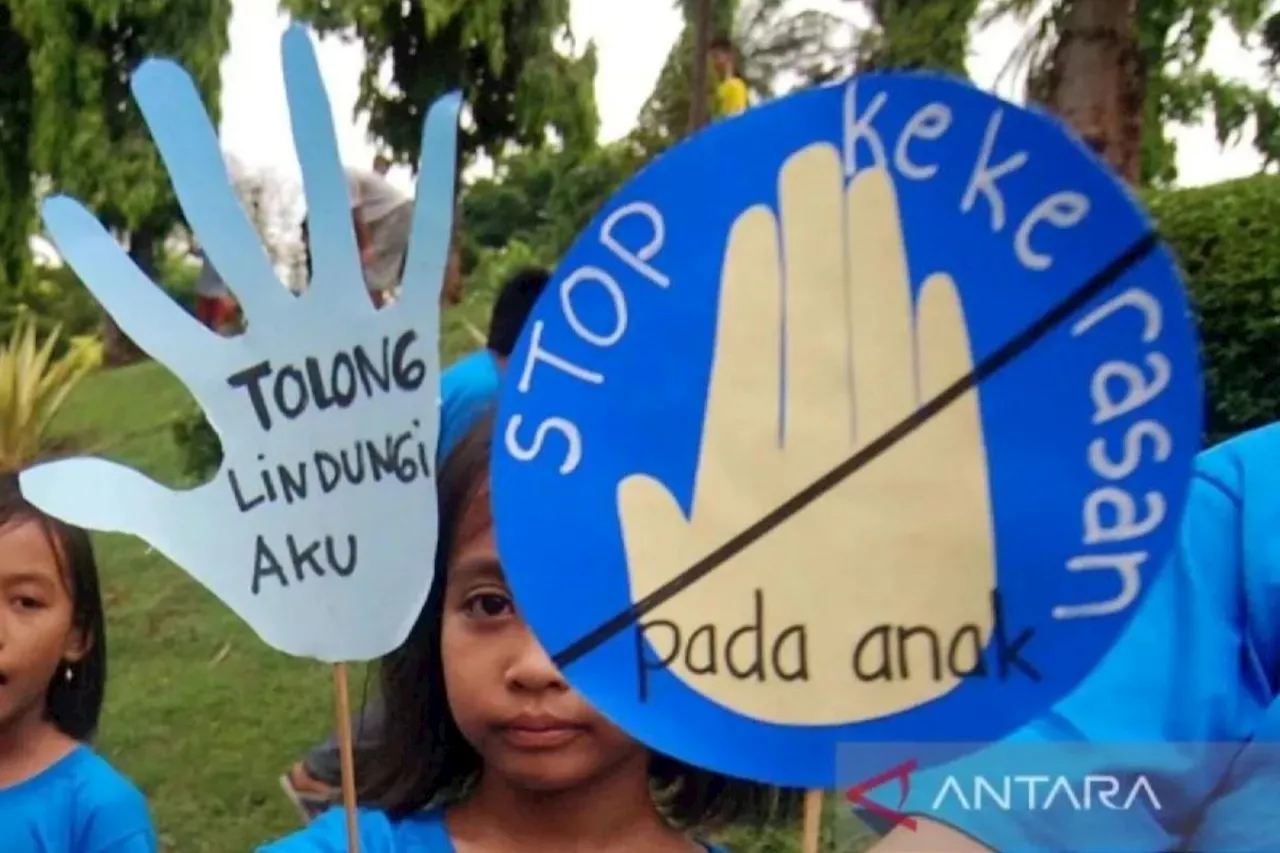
(346, 752)
(812, 831)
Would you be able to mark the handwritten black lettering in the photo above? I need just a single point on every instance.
(295, 390)
(293, 482)
(964, 654)
(265, 564)
(397, 456)
(885, 652)
(238, 493)
(340, 390)
(251, 380)
(303, 557)
(314, 557)
(646, 664)
(328, 471)
(749, 652)
(291, 383)
(368, 371)
(407, 372)
(1009, 652)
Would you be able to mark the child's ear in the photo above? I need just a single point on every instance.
(77, 645)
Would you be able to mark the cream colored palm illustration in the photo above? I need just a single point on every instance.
(822, 291)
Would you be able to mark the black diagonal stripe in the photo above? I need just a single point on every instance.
(992, 363)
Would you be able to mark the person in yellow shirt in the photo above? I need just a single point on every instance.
(731, 91)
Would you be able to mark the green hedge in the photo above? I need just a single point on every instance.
(1227, 240)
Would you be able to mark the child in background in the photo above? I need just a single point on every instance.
(731, 89)
(56, 794)
(486, 749)
(215, 306)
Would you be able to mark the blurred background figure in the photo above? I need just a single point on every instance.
(216, 308)
(383, 217)
(731, 89)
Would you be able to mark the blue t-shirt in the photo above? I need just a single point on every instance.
(421, 833)
(467, 388)
(1186, 701)
(80, 804)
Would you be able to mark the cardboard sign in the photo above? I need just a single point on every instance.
(320, 526)
(865, 416)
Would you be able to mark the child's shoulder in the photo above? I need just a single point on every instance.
(422, 833)
(112, 810)
(97, 781)
(475, 374)
(84, 795)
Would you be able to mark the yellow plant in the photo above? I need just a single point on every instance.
(88, 348)
(33, 386)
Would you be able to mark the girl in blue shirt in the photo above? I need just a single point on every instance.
(486, 749)
(56, 794)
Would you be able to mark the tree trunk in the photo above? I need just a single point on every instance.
(453, 283)
(919, 34)
(1095, 80)
(698, 107)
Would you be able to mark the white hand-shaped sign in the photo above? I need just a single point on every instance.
(319, 529)
(908, 538)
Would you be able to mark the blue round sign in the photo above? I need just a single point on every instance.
(864, 417)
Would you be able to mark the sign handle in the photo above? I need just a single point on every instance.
(347, 755)
(810, 840)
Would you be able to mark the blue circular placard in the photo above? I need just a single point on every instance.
(1087, 375)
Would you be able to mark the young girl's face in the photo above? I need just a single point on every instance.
(37, 632)
(507, 697)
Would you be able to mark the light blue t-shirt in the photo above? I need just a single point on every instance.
(421, 833)
(1187, 699)
(80, 804)
(468, 387)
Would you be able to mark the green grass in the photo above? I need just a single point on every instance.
(201, 714)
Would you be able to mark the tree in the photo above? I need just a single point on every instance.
(699, 87)
(17, 212)
(1160, 70)
(1096, 81)
(502, 54)
(664, 118)
(89, 137)
(916, 34)
(542, 198)
(771, 42)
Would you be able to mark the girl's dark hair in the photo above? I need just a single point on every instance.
(73, 705)
(423, 760)
(511, 310)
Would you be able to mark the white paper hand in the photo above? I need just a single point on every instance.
(904, 542)
(319, 529)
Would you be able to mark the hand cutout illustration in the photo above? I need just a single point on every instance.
(905, 542)
(320, 526)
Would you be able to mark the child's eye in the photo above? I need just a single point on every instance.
(26, 602)
(488, 605)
